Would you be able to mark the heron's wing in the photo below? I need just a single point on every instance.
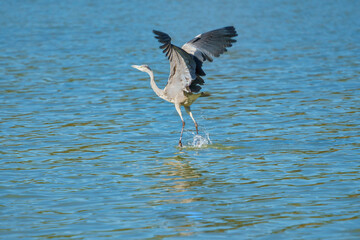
(182, 65)
(211, 44)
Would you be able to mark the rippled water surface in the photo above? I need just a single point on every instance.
(88, 151)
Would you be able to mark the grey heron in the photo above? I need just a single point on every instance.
(186, 72)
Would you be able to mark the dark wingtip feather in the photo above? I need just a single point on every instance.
(230, 28)
(165, 40)
(162, 37)
(231, 31)
(195, 88)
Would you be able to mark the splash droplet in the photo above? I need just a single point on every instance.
(200, 141)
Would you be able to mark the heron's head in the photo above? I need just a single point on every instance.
(143, 68)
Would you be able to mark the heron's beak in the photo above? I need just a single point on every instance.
(136, 66)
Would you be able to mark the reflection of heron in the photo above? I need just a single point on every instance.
(185, 67)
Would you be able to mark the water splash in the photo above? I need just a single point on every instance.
(199, 141)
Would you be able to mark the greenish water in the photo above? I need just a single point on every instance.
(88, 151)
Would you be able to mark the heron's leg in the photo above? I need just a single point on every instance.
(189, 112)
(177, 106)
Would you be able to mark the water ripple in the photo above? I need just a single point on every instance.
(88, 151)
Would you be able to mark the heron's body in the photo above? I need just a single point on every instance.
(184, 98)
(183, 87)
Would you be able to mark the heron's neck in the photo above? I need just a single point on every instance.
(157, 90)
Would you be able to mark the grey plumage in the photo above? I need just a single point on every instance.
(186, 70)
(211, 44)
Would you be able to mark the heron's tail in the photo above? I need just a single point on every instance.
(205, 94)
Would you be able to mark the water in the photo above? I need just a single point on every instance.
(88, 151)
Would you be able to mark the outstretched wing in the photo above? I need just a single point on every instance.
(182, 66)
(211, 44)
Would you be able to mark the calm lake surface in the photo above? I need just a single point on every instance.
(88, 151)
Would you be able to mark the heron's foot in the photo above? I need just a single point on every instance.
(180, 144)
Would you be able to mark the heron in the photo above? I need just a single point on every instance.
(183, 86)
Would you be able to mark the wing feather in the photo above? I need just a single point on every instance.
(182, 65)
(186, 62)
(211, 44)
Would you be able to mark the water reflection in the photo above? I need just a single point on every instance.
(178, 176)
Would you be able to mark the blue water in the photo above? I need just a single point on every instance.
(88, 151)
